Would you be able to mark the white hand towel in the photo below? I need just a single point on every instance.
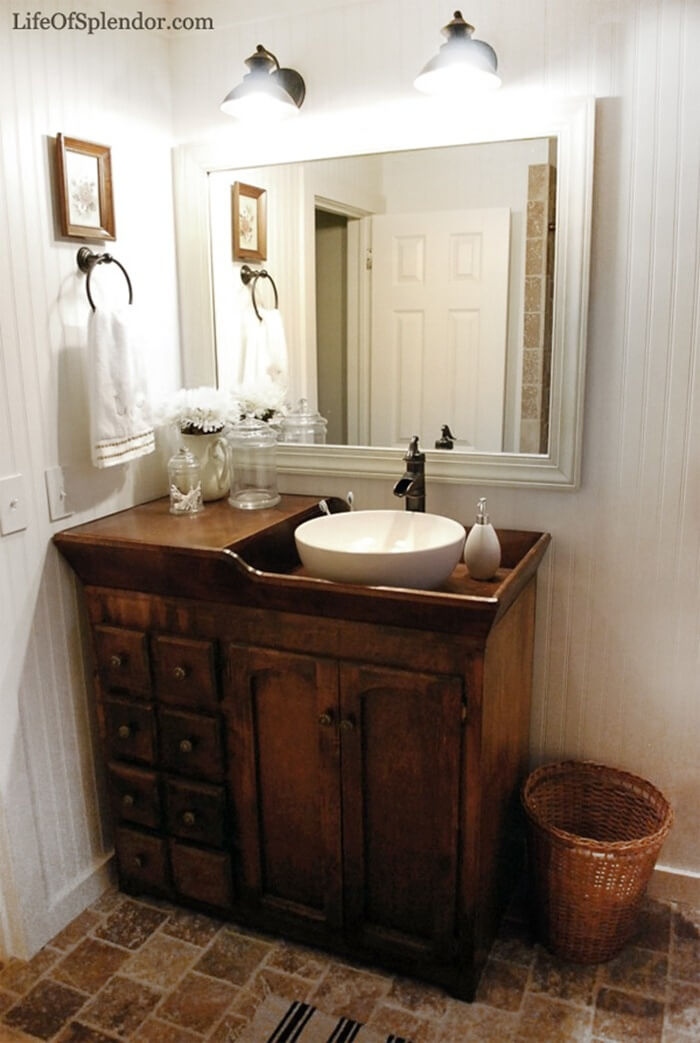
(120, 420)
(264, 349)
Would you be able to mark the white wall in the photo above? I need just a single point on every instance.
(112, 88)
(617, 675)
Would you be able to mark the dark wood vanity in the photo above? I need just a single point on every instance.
(338, 764)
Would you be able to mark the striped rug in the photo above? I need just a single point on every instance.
(279, 1021)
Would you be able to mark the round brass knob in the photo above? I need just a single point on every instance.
(325, 720)
(185, 746)
(124, 731)
(346, 725)
(127, 801)
(179, 673)
(138, 861)
(189, 818)
(116, 661)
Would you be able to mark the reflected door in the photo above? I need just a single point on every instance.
(439, 326)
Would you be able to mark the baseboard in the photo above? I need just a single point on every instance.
(673, 885)
(68, 903)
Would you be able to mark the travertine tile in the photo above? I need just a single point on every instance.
(625, 1016)
(45, 1009)
(76, 930)
(296, 959)
(502, 985)
(161, 961)
(76, 1032)
(683, 1009)
(561, 980)
(685, 946)
(121, 1006)
(191, 927)
(548, 1019)
(228, 1030)
(387, 1020)
(654, 926)
(477, 1023)
(233, 957)
(198, 1002)
(427, 1001)
(108, 902)
(637, 970)
(514, 943)
(7, 1000)
(155, 1031)
(131, 924)
(20, 975)
(350, 992)
(89, 965)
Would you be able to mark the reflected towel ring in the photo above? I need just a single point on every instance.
(248, 275)
(87, 260)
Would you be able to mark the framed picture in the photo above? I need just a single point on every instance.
(249, 207)
(84, 189)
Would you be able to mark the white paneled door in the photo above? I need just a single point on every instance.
(439, 324)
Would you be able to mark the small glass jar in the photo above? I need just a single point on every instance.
(253, 466)
(304, 425)
(185, 482)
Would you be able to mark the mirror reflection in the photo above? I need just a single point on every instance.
(415, 291)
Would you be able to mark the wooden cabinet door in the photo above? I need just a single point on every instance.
(400, 750)
(283, 761)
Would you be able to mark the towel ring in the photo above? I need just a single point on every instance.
(87, 260)
(249, 274)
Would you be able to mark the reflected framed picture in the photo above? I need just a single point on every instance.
(84, 189)
(249, 209)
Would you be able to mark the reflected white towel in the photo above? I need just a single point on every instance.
(264, 349)
(120, 417)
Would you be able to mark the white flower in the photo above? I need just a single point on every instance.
(261, 398)
(200, 410)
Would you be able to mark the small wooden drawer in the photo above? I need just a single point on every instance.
(184, 672)
(135, 795)
(131, 730)
(142, 859)
(191, 744)
(122, 659)
(196, 811)
(203, 876)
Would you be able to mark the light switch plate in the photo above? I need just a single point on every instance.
(56, 493)
(13, 505)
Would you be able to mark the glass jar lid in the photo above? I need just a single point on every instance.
(304, 418)
(251, 433)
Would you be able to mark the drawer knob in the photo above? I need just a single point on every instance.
(116, 661)
(127, 801)
(123, 731)
(179, 673)
(185, 746)
(189, 818)
(138, 861)
(325, 720)
(347, 724)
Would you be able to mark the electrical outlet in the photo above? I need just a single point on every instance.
(56, 493)
(13, 506)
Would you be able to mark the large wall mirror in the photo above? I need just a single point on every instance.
(427, 274)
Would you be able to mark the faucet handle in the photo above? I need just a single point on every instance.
(414, 452)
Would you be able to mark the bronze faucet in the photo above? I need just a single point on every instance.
(411, 486)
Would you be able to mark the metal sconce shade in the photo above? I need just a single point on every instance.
(266, 90)
(461, 62)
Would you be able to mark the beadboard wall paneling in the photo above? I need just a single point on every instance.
(113, 88)
(618, 640)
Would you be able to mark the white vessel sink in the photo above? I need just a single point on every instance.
(381, 548)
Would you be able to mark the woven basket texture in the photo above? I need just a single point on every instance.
(594, 834)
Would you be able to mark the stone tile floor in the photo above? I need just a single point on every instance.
(144, 971)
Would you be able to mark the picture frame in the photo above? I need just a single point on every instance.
(249, 211)
(84, 189)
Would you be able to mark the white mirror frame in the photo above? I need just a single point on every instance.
(398, 127)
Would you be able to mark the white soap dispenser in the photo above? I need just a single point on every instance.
(482, 551)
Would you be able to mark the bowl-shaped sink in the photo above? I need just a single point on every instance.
(381, 548)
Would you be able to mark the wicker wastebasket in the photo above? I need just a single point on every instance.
(594, 834)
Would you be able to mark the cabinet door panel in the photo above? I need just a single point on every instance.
(284, 766)
(401, 742)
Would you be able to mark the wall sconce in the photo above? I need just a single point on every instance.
(267, 91)
(460, 63)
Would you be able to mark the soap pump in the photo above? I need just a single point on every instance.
(482, 551)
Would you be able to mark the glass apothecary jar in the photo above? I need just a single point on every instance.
(185, 483)
(253, 465)
(304, 425)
